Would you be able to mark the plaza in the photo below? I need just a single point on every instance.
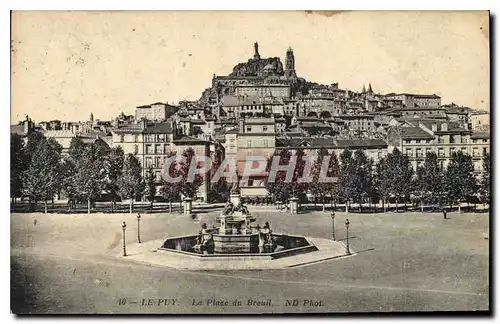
(67, 263)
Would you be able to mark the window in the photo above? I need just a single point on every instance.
(136, 149)
(475, 151)
(264, 128)
(428, 151)
(440, 139)
(463, 140)
(419, 152)
(464, 150)
(249, 128)
(452, 139)
(452, 150)
(250, 182)
(485, 140)
(409, 152)
(485, 151)
(417, 141)
(136, 138)
(441, 152)
(121, 138)
(408, 141)
(157, 162)
(149, 149)
(158, 149)
(157, 175)
(474, 141)
(149, 162)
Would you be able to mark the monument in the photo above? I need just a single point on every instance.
(235, 232)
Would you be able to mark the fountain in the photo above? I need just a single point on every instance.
(233, 234)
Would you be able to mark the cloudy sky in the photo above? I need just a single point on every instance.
(66, 65)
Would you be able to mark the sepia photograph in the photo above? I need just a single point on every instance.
(250, 162)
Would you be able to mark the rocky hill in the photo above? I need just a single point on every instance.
(253, 67)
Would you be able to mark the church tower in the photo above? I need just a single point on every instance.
(290, 65)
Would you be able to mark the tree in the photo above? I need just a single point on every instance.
(485, 179)
(381, 182)
(70, 170)
(17, 166)
(150, 185)
(114, 168)
(362, 177)
(41, 179)
(279, 189)
(220, 190)
(90, 176)
(348, 177)
(170, 191)
(312, 114)
(299, 188)
(318, 187)
(130, 181)
(400, 173)
(188, 186)
(429, 180)
(325, 114)
(460, 181)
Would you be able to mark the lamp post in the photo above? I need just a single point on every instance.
(333, 226)
(347, 233)
(138, 228)
(124, 226)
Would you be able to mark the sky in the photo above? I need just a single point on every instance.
(66, 65)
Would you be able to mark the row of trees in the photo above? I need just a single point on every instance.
(88, 172)
(358, 180)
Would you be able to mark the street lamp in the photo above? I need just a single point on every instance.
(333, 226)
(138, 228)
(124, 226)
(347, 233)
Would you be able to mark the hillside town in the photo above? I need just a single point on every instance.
(264, 107)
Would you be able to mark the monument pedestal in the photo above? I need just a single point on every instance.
(294, 205)
(188, 206)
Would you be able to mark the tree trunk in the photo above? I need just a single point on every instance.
(113, 205)
(151, 206)
(459, 206)
(170, 207)
(52, 203)
(421, 206)
(45, 205)
(88, 206)
(323, 205)
(131, 206)
(347, 206)
(384, 205)
(396, 205)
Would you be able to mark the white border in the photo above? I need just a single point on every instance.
(196, 5)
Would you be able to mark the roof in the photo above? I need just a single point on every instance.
(144, 106)
(362, 143)
(189, 139)
(163, 128)
(413, 95)
(477, 135)
(315, 143)
(259, 121)
(415, 133)
(17, 129)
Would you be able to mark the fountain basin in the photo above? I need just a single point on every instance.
(240, 247)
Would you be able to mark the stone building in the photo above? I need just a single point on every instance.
(152, 143)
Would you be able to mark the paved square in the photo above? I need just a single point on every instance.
(404, 262)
